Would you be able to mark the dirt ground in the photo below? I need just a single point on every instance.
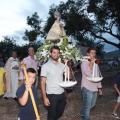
(9, 108)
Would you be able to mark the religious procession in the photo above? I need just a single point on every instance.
(57, 82)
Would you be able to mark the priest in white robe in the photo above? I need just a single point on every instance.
(12, 69)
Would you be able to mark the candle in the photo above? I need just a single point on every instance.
(65, 71)
(68, 74)
(93, 70)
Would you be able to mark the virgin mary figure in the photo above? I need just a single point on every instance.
(57, 36)
(57, 31)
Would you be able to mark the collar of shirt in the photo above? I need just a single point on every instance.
(50, 60)
(14, 59)
(31, 58)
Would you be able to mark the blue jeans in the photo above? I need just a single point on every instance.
(89, 101)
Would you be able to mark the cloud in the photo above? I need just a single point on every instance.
(18, 37)
(34, 6)
(16, 11)
(25, 12)
(10, 20)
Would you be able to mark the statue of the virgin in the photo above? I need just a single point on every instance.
(57, 36)
(57, 29)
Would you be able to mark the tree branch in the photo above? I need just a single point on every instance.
(111, 33)
(105, 40)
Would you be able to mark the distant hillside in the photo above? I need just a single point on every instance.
(112, 54)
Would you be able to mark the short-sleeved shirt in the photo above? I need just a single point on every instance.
(117, 81)
(53, 74)
(27, 112)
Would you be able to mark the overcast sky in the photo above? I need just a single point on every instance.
(13, 14)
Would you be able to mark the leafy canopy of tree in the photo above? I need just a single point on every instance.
(75, 20)
(85, 21)
(8, 45)
(107, 20)
(89, 19)
(36, 30)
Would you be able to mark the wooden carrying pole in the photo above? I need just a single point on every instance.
(31, 93)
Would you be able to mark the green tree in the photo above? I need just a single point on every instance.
(24, 48)
(74, 19)
(36, 30)
(7, 45)
(89, 20)
(106, 15)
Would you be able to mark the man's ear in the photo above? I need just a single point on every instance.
(88, 54)
(50, 54)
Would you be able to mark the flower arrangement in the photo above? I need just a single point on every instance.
(68, 50)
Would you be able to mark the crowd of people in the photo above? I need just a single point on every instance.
(12, 84)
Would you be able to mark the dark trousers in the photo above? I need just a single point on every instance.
(57, 106)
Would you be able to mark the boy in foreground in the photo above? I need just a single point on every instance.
(26, 107)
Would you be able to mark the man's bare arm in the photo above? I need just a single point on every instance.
(43, 89)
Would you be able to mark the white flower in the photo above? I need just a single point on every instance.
(46, 46)
(61, 39)
(69, 40)
(48, 56)
(70, 46)
(44, 53)
(67, 50)
(61, 51)
(78, 58)
(59, 44)
(73, 45)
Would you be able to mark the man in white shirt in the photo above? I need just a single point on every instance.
(30, 62)
(53, 95)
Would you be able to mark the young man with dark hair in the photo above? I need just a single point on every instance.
(54, 47)
(89, 89)
(53, 95)
(89, 49)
